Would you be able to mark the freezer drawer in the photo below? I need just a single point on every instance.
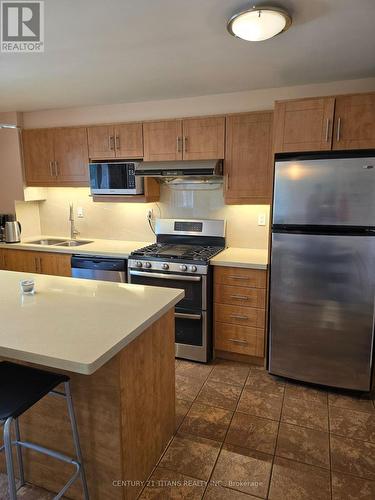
(335, 191)
(322, 309)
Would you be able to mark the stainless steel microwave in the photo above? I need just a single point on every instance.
(117, 177)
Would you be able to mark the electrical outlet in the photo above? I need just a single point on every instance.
(80, 213)
(150, 214)
(261, 219)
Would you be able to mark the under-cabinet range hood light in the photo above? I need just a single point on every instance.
(259, 23)
(178, 173)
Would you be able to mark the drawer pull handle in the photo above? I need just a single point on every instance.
(238, 277)
(238, 341)
(238, 316)
(240, 297)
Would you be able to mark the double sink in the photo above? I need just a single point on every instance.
(59, 242)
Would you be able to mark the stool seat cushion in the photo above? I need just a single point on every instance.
(22, 386)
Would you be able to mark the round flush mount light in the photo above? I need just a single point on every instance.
(259, 23)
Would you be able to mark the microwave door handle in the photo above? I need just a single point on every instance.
(176, 277)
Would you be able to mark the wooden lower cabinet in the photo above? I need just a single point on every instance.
(240, 311)
(27, 261)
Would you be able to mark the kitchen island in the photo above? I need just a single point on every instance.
(116, 342)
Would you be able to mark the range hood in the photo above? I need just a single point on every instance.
(174, 173)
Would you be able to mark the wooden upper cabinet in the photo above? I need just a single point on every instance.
(248, 159)
(129, 140)
(101, 140)
(71, 154)
(162, 140)
(354, 122)
(203, 138)
(303, 125)
(38, 156)
(115, 141)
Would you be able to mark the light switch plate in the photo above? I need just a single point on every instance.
(80, 214)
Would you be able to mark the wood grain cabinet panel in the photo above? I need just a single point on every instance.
(237, 276)
(248, 158)
(101, 142)
(162, 140)
(354, 122)
(240, 296)
(235, 315)
(303, 125)
(71, 155)
(239, 339)
(129, 140)
(203, 138)
(29, 261)
(38, 157)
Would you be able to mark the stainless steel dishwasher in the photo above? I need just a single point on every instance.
(99, 268)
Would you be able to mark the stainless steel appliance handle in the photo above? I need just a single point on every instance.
(177, 277)
(196, 317)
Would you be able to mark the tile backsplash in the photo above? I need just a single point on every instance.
(127, 221)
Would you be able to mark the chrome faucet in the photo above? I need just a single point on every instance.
(73, 231)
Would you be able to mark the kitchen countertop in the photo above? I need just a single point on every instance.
(103, 248)
(242, 257)
(233, 257)
(74, 324)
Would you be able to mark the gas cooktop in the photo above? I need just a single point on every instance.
(170, 251)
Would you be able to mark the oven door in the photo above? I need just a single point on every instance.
(193, 286)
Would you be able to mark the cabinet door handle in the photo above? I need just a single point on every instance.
(117, 142)
(36, 264)
(179, 140)
(238, 316)
(327, 129)
(238, 341)
(40, 265)
(338, 129)
(185, 144)
(57, 169)
(240, 297)
(51, 171)
(111, 143)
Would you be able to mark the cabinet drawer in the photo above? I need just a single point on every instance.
(239, 339)
(237, 276)
(240, 296)
(245, 316)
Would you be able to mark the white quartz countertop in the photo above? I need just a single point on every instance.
(103, 248)
(242, 257)
(73, 324)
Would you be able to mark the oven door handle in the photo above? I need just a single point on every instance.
(197, 317)
(176, 277)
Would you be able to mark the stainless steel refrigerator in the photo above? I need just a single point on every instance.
(322, 274)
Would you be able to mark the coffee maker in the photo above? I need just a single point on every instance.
(10, 229)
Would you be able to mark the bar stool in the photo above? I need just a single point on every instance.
(20, 388)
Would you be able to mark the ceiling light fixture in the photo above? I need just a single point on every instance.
(259, 23)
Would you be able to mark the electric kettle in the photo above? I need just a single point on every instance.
(12, 232)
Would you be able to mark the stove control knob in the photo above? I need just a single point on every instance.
(193, 269)
(183, 267)
(138, 264)
(165, 266)
(147, 265)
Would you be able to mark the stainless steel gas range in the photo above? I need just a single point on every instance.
(180, 259)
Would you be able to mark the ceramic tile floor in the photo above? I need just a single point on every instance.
(242, 434)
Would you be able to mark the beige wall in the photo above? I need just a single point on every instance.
(29, 217)
(127, 221)
(193, 106)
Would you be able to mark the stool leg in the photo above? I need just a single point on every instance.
(76, 439)
(19, 452)
(9, 458)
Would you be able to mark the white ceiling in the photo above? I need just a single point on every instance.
(102, 52)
